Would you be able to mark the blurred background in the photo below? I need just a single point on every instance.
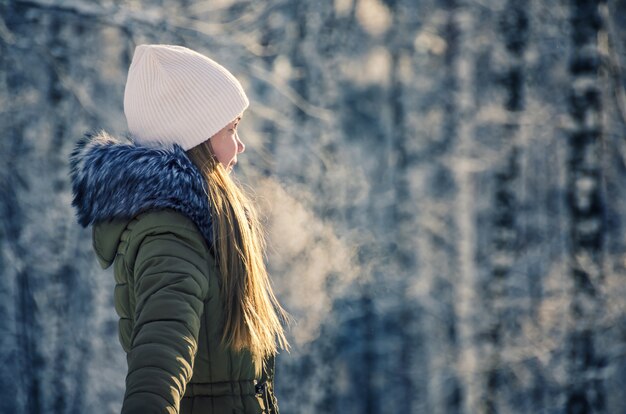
(442, 183)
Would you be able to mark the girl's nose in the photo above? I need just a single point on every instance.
(240, 146)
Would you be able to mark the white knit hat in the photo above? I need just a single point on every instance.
(176, 95)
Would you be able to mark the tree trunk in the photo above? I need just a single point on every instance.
(585, 389)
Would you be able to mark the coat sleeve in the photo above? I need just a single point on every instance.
(169, 286)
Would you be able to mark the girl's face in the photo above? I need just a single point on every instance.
(226, 145)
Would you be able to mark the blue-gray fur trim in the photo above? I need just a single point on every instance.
(117, 179)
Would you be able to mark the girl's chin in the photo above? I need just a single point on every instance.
(229, 167)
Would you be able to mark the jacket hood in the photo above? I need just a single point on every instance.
(115, 179)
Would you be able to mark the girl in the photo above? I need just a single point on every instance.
(198, 318)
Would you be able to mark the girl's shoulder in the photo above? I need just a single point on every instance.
(125, 237)
(164, 224)
(162, 220)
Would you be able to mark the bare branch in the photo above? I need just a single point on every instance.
(289, 93)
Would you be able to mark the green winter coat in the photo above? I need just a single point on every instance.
(167, 298)
(150, 222)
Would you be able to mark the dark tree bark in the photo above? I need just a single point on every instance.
(505, 234)
(585, 389)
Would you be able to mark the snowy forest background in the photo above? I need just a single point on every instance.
(443, 183)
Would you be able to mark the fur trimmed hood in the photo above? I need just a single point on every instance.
(117, 179)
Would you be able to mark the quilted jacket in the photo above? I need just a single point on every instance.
(150, 220)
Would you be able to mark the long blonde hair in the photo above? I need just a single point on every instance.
(253, 317)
